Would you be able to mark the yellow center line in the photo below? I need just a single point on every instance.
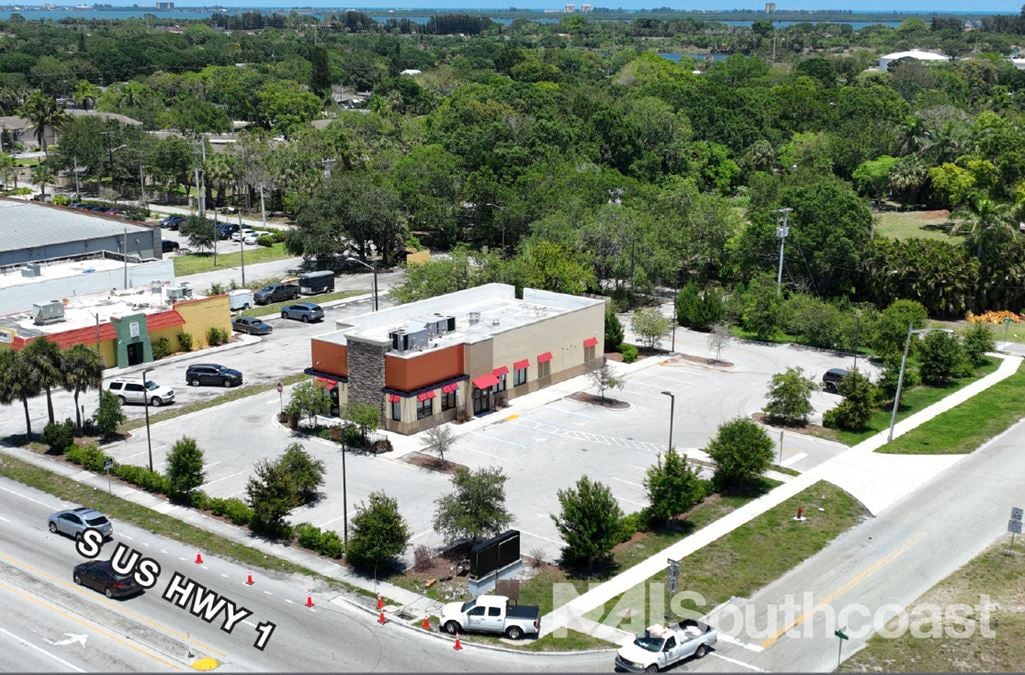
(46, 604)
(116, 606)
(851, 583)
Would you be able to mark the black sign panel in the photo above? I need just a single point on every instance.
(495, 553)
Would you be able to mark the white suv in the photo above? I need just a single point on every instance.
(133, 391)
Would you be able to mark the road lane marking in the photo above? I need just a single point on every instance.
(850, 584)
(4, 519)
(99, 599)
(268, 593)
(289, 601)
(92, 625)
(42, 651)
(737, 663)
(225, 576)
(125, 536)
(18, 494)
(795, 459)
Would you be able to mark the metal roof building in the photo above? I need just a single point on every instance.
(32, 232)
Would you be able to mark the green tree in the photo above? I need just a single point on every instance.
(44, 358)
(604, 378)
(650, 326)
(742, 452)
(365, 416)
(83, 370)
(320, 73)
(439, 439)
(310, 399)
(887, 384)
(613, 329)
(45, 114)
(790, 397)
(42, 175)
(271, 495)
(891, 327)
(200, 232)
(673, 486)
(940, 357)
(549, 266)
(859, 400)
(475, 509)
(589, 523)
(59, 436)
(872, 177)
(306, 473)
(378, 532)
(285, 107)
(761, 307)
(109, 417)
(17, 382)
(699, 309)
(977, 340)
(185, 470)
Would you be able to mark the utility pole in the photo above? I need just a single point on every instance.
(202, 195)
(242, 244)
(142, 188)
(78, 191)
(125, 256)
(195, 162)
(781, 232)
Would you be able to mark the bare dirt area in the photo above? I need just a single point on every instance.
(809, 429)
(606, 402)
(425, 461)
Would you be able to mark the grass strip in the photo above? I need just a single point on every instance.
(227, 397)
(964, 428)
(274, 308)
(196, 263)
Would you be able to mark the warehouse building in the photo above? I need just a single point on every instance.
(33, 232)
(459, 355)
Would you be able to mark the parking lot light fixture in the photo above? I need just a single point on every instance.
(900, 376)
(372, 268)
(145, 396)
(672, 410)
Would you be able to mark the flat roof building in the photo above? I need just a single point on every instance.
(915, 54)
(461, 354)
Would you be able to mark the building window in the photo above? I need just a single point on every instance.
(544, 369)
(589, 354)
(501, 383)
(520, 377)
(448, 401)
(396, 411)
(424, 408)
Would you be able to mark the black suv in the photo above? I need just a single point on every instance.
(832, 378)
(276, 293)
(212, 374)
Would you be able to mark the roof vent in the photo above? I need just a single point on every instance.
(474, 317)
(496, 321)
(30, 270)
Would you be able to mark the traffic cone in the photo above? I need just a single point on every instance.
(380, 618)
(309, 599)
(199, 558)
(249, 579)
(380, 602)
(426, 625)
(458, 645)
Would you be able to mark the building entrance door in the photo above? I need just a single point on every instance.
(481, 400)
(136, 353)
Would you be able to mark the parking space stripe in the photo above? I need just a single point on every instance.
(218, 480)
(496, 438)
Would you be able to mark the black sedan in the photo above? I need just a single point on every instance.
(251, 325)
(168, 246)
(213, 374)
(99, 575)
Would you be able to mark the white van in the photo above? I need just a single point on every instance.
(240, 299)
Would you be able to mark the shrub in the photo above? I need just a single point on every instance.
(60, 200)
(941, 358)
(216, 336)
(216, 288)
(629, 352)
(233, 509)
(185, 341)
(673, 487)
(421, 558)
(265, 240)
(161, 348)
(200, 500)
(59, 435)
(305, 473)
(141, 476)
(742, 451)
(89, 457)
(699, 310)
(790, 397)
(632, 523)
(308, 536)
(185, 468)
(109, 415)
(856, 409)
(613, 329)
(977, 340)
(331, 544)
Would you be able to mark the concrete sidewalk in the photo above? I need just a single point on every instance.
(571, 614)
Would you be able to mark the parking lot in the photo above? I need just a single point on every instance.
(542, 448)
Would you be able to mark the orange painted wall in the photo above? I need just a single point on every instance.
(329, 357)
(427, 368)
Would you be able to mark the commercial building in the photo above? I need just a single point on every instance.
(914, 54)
(459, 355)
(123, 325)
(31, 232)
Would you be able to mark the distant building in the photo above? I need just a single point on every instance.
(411, 72)
(165, 5)
(586, 8)
(569, 9)
(770, 7)
(916, 54)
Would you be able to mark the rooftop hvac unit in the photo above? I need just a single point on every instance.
(474, 317)
(30, 270)
(176, 293)
(496, 321)
(155, 286)
(47, 312)
(402, 341)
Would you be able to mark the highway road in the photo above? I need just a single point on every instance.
(66, 628)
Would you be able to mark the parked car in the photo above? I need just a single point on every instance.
(169, 246)
(240, 298)
(99, 575)
(242, 233)
(73, 522)
(224, 230)
(134, 391)
(303, 311)
(491, 614)
(212, 374)
(251, 325)
(662, 646)
(832, 378)
(172, 221)
(253, 238)
(276, 293)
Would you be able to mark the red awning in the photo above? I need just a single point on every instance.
(520, 365)
(544, 358)
(500, 371)
(393, 398)
(424, 395)
(326, 383)
(590, 342)
(449, 388)
(485, 381)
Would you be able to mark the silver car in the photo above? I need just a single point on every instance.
(74, 522)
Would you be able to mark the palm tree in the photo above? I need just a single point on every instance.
(17, 383)
(44, 359)
(984, 219)
(86, 94)
(9, 169)
(83, 369)
(41, 175)
(42, 111)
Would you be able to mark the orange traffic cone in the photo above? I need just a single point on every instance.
(380, 618)
(249, 579)
(199, 558)
(309, 599)
(427, 623)
(458, 645)
(380, 602)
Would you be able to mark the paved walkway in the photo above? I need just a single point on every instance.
(569, 615)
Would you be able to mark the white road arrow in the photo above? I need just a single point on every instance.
(71, 639)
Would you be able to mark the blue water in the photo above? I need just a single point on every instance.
(675, 57)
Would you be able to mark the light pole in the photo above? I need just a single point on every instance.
(242, 244)
(345, 502)
(672, 409)
(900, 376)
(372, 268)
(149, 441)
(781, 232)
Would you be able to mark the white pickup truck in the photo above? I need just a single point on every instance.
(491, 614)
(662, 646)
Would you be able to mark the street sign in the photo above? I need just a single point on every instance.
(1014, 526)
(108, 465)
(1016, 513)
(840, 634)
(673, 571)
(280, 388)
